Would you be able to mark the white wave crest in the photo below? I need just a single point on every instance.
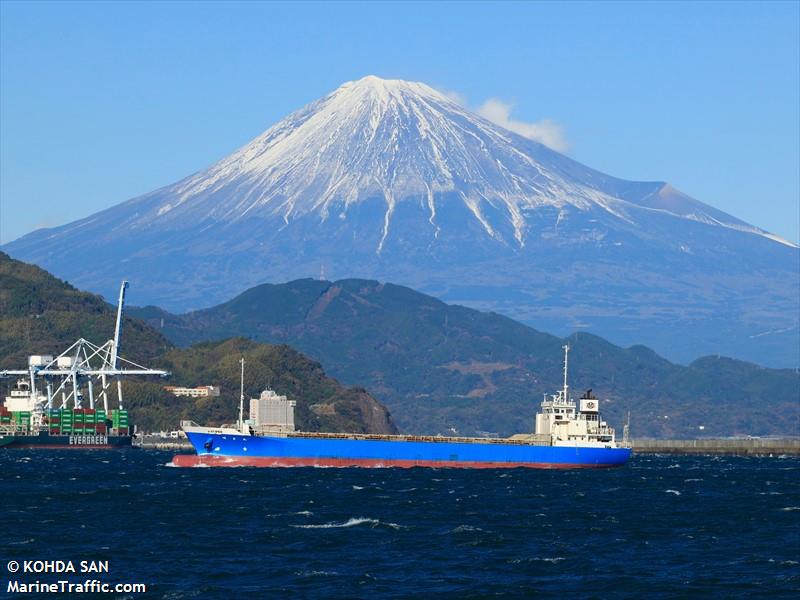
(466, 528)
(352, 522)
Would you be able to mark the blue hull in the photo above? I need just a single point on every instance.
(239, 450)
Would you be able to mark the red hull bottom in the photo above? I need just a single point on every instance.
(207, 460)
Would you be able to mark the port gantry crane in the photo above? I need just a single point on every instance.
(82, 363)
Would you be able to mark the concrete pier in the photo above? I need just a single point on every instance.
(729, 446)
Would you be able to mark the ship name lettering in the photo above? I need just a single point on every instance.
(87, 440)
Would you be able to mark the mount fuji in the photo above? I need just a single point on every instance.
(393, 180)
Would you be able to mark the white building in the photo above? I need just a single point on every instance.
(272, 413)
(202, 391)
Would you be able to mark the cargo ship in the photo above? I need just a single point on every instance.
(567, 436)
(63, 401)
(22, 425)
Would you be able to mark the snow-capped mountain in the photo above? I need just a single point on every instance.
(394, 180)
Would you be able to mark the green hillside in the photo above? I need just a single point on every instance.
(40, 314)
(441, 368)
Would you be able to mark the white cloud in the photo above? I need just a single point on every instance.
(546, 132)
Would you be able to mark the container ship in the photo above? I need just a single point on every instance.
(22, 426)
(567, 435)
(63, 401)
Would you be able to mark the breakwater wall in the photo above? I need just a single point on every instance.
(730, 446)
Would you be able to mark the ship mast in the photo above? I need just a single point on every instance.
(626, 429)
(566, 357)
(241, 399)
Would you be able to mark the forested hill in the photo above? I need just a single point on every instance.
(40, 314)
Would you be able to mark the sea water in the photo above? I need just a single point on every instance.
(661, 527)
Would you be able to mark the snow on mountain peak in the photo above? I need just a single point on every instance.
(384, 89)
(397, 141)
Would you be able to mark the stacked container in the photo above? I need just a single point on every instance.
(79, 419)
(119, 421)
(22, 419)
(67, 421)
(89, 421)
(54, 421)
(100, 421)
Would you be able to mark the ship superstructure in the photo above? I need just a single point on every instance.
(567, 423)
(566, 436)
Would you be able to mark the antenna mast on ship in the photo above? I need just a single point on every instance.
(241, 399)
(626, 429)
(566, 357)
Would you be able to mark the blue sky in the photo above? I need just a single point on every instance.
(101, 102)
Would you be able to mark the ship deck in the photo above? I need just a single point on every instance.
(520, 440)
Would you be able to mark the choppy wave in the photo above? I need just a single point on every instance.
(390, 533)
(352, 522)
(466, 528)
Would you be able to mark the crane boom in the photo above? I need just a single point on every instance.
(118, 328)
